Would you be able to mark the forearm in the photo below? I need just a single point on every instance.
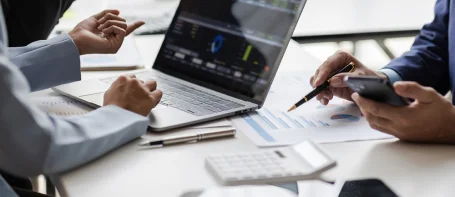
(48, 63)
(33, 143)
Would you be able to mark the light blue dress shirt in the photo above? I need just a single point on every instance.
(392, 75)
(32, 142)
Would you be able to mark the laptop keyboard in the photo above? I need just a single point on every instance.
(186, 98)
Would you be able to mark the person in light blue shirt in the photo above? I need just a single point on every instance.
(32, 142)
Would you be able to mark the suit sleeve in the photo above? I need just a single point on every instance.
(33, 142)
(48, 63)
(427, 61)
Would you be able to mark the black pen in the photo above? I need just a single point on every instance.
(349, 68)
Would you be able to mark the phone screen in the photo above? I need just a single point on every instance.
(366, 188)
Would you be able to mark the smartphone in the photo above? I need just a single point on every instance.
(376, 89)
(366, 188)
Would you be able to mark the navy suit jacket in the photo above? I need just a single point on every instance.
(431, 60)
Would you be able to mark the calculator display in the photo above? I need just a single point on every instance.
(311, 154)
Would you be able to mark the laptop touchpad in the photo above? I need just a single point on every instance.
(94, 99)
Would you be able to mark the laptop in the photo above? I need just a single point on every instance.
(218, 59)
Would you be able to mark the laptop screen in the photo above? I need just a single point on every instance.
(232, 46)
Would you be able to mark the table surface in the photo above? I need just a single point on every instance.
(409, 169)
(334, 17)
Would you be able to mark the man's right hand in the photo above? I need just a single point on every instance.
(133, 94)
(337, 87)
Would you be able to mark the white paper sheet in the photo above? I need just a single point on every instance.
(61, 106)
(127, 57)
(247, 191)
(317, 188)
(340, 121)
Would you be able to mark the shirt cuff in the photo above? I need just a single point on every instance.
(392, 75)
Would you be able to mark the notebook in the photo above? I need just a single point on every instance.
(127, 58)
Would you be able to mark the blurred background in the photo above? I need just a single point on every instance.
(373, 30)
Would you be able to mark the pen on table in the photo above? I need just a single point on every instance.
(229, 132)
(349, 68)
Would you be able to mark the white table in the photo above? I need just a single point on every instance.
(410, 170)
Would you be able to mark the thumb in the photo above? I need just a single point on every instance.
(133, 27)
(415, 91)
(337, 81)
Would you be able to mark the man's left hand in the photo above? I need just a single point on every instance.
(102, 33)
(428, 119)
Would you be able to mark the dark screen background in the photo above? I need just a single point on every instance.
(215, 32)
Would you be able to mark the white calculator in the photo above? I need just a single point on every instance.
(298, 162)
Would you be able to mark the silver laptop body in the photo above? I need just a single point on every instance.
(218, 59)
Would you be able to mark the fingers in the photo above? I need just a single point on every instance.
(156, 96)
(110, 23)
(110, 16)
(377, 109)
(331, 65)
(376, 121)
(130, 75)
(105, 12)
(416, 91)
(130, 28)
(118, 32)
(151, 85)
(337, 81)
(383, 129)
(324, 97)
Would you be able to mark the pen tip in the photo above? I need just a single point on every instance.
(292, 108)
(145, 144)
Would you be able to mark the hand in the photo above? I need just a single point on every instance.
(102, 33)
(337, 87)
(133, 95)
(428, 119)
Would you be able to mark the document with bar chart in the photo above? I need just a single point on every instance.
(272, 126)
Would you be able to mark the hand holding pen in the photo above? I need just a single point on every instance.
(337, 87)
(325, 85)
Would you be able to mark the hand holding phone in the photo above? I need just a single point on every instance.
(376, 89)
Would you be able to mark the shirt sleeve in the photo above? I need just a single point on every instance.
(48, 63)
(392, 75)
(34, 143)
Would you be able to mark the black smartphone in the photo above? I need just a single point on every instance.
(366, 188)
(376, 89)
